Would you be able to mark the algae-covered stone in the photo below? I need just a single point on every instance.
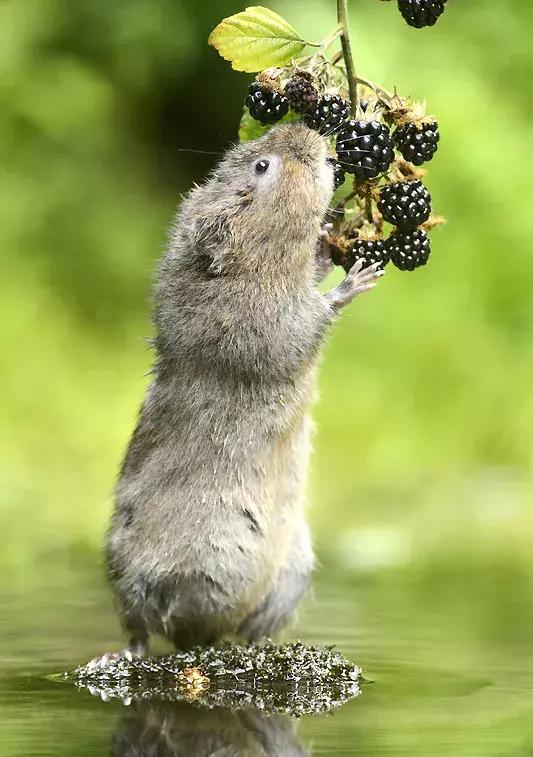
(291, 678)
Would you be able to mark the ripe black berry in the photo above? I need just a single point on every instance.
(417, 143)
(371, 251)
(419, 13)
(338, 173)
(409, 249)
(365, 148)
(265, 105)
(301, 94)
(328, 114)
(405, 204)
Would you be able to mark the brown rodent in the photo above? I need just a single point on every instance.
(208, 536)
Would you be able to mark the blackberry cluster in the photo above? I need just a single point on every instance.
(264, 105)
(420, 13)
(405, 204)
(365, 148)
(376, 250)
(328, 114)
(417, 144)
(339, 174)
(409, 249)
(301, 94)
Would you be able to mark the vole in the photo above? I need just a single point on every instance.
(208, 537)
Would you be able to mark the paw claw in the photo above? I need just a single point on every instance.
(357, 266)
(98, 663)
(357, 281)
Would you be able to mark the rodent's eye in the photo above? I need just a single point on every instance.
(262, 166)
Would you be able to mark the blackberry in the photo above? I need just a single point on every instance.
(328, 114)
(417, 144)
(405, 204)
(301, 94)
(338, 173)
(419, 13)
(265, 105)
(337, 255)
(373, 250)
(409, 249)
(365, 148)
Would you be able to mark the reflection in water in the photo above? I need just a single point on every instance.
(223, 701)
(183, 730)
(448, 649)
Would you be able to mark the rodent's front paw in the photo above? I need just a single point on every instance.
(323, 259)
(356, 281)
(359, 279)
(359, 275)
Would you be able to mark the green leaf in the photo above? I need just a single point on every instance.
(255, 39)
(249, 128)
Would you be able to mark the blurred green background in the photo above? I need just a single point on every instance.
(422, 479)
(424, 438)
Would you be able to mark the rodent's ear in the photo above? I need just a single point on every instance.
(212, 230)
(212, 235)
(210, 217)
(205, 264)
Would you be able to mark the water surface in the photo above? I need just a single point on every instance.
(448, 649)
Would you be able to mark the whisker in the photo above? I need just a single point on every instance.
(353, 139)
(359, 152)
(331, 130)
(200, 152)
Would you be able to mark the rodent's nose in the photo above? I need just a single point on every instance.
(302, 143)
(308, 146)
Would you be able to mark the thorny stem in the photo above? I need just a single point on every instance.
(378, 90)
(342, 17)
(324, 44)
(368, 208)
(337, 213)
(330, 39)
(347, 198)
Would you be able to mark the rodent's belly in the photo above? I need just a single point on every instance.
(214, 508)
(227, 534)
(213, 558)
(247, 521)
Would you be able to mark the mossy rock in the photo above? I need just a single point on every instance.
(291, 678)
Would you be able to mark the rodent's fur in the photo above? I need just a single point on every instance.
(208, 536)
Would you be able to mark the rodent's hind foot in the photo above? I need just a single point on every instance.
(135, 649)
(356, 281)
(97, 663)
